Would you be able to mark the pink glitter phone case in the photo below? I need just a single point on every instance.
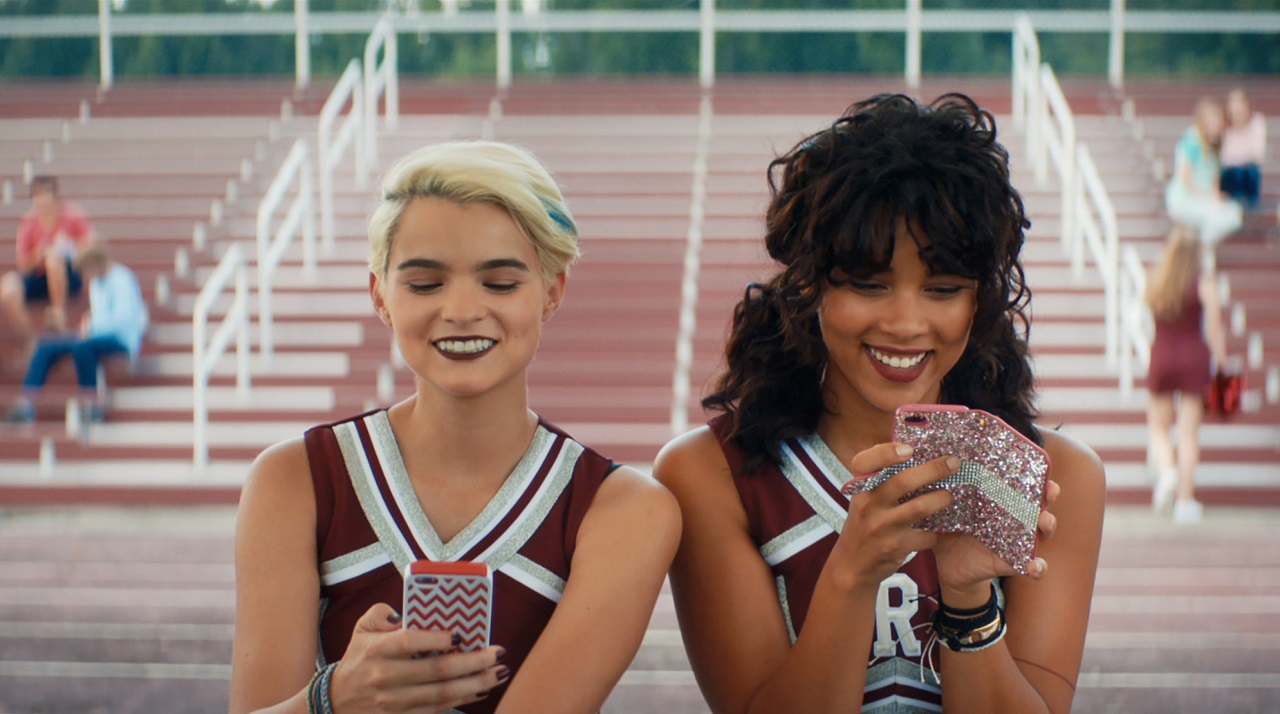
(999, 491)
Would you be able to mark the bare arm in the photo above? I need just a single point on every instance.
(727, 601)
(277, 584)
(1214, 333)
(1034, 668)
(278, 608)
(624, 547)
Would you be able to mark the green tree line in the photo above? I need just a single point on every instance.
(598, 53)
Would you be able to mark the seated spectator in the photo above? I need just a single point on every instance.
(115, 324)
(48, 237)
(1244, 144)
(1194, 196)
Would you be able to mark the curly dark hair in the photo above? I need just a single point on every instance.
(836, 200)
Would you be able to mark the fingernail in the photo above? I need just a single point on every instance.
(456, 639)
(504, 673)
(953, 463)
(903, 450)
(394, 618)
(500, 655)
(482, 695)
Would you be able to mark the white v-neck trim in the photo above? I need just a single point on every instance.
(387, 451)
(827, 507)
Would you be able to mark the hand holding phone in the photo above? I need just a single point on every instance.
(997, 494)
(452, 596)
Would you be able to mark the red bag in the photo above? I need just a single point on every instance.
(1222, 398)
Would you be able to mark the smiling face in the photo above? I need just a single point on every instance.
(892, 337)
(464, 296)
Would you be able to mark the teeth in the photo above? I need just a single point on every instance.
(897, 362)
(465, 347)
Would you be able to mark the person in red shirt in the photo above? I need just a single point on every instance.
(48, 238)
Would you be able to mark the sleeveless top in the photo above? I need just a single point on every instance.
(369, 525)
(795, 512)
(1180, 359)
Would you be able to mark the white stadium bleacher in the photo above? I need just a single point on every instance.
(608, 370)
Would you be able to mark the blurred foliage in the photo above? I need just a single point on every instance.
(447, 54)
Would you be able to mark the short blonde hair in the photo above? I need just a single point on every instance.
(478, 172)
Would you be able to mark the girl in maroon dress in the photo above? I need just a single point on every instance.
(1184, 301)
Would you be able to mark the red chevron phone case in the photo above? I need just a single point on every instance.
(452, 596)
(999, 491)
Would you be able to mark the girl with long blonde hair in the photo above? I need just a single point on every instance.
(1183, 297)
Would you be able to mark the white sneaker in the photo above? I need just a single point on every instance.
(1187, 511)
(1162, 494)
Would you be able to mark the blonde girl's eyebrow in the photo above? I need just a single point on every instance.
(422, 263)
(499, 263)
(494, 264)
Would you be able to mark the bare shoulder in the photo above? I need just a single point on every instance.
(694, 467)
(688, 458)
(628, 491)
(1073, 463)
(282, 465)
(278, 487)
(1207, 290)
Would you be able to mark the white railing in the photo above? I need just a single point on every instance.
(1088, 215)
(1095, 227)
(295, 176)
(380, 79)
(206, 351)
(1058, 143)
(1116, 23)
(1026, 83)
(330, 148)
(1136, 326)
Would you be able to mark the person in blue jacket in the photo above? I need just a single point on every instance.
(115, 324)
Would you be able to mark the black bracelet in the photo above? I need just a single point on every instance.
(981, 639)
(955, 612)
(970, 629)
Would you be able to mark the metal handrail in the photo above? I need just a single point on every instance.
(205, 353)
(1088, 215)
(1116, 23)
(380, 79)
(295, 175)
(330, 148)
(1058, 133)
(1136, 325)
(1026, 83)
(1096, 228)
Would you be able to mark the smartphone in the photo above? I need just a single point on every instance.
(999, 491)
(452, 596)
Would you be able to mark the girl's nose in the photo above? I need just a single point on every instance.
(903, 316)
(462, 305)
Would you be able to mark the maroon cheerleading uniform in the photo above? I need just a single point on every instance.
(794, 513)
(369, 525)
